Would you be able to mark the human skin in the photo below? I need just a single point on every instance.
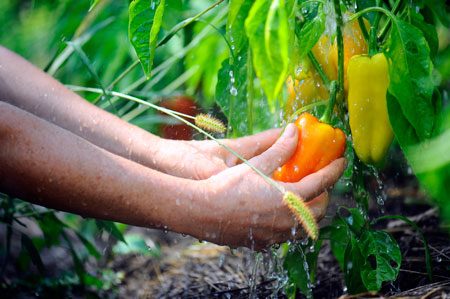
(98, 172)
(25, 86)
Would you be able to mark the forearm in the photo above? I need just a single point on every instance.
(50, 166)
(27, 87)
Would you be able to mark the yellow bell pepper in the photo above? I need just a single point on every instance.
(326, 52)
(307, 87)
(368, 81)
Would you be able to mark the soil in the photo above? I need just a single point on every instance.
(190, 269)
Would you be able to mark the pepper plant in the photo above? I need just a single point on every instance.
(366, 66)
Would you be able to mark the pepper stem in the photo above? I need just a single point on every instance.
(326, 118)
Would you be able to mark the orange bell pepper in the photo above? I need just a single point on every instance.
(318, 145)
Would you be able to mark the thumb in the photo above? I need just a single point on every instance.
(279, 152)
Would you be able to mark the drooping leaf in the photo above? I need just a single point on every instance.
(89, 245)
(33, 252)
(145, 19)
(428, 31)
(51, 227)
(206, 58)
(310, 31)
(237, 13)
(353, 263)
(382, 259)
(111, 228)
(339, 239)
(231, 94)
(269, 35)
(411, 81)
(403, 130)
(301, 265)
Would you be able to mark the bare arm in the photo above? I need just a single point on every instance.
(51, 166)
(27, 87)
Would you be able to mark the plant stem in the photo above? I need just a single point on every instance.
(250, 92)
(319, 69)
(306, 108)
(363, 28)
(340, 45)
(165, 39)
(385, 29)
(373, 47)
(326, 118)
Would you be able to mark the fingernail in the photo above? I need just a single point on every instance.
(289, 131)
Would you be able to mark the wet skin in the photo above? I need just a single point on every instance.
(60, 151)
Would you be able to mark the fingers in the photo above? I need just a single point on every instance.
(279, 152)
(314, 184)
(250, 146)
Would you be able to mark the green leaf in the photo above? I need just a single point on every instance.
(339, 239)
(362, 4)
(269, 35)
(428, 31)
(403, 130)
(33, 252)
(90, 247)
(353, 262)
(440, 9)
(382, 259)
(145, 19)
(410, 75)
(419, 231)
(301, 265)
(310, 31)
(51, 227)
(93, 4)
(237, 13)
(206, 57)
(111, 228)
(136, 244)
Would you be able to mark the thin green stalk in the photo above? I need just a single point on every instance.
(185, 23)
(387, 25)
(164, 40)
(250, 92)
(363, 28)
(372, 9)
(178, 117)
(319, 69)
(306, 108)
(326, 118)
(373, 42)
(340, 46)
(91, 69)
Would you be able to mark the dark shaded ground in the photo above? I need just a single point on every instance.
(188, 269)
(209, 271)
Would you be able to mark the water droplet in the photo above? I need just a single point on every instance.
(233, 91)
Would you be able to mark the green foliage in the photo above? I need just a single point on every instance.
(269, 33)
(309, 31)
(366, 256)
(145, 23)
(301, 266)
(411, 81)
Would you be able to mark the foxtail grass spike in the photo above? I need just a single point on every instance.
(209, 123)
(302, 213)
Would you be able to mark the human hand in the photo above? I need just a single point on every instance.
(242, 209)
(201, 159)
